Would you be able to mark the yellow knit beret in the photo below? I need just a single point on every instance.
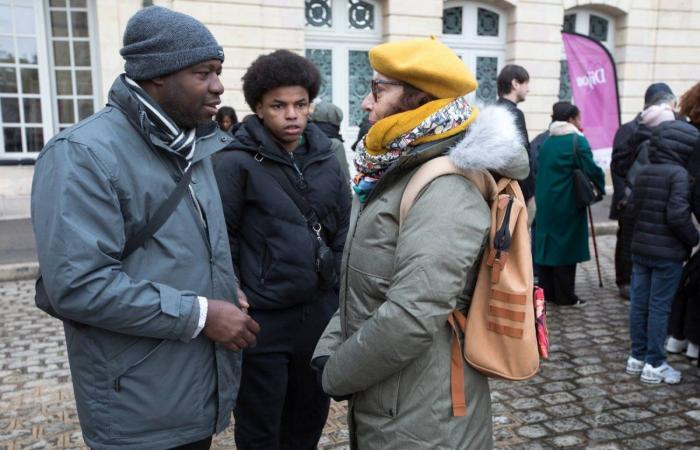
(426, 64)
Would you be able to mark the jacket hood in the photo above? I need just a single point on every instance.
(492, 142)
(654, 115)
(252, 136)
(560, 128)
(673, 142)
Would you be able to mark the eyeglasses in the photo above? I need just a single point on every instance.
(376, 83)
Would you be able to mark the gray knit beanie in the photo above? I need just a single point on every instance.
(159, 41)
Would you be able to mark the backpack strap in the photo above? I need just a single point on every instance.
(458, 322)
(438, 167)
(485, 183)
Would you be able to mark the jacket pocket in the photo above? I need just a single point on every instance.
(382, 399)
(265, 264)
(156, 385)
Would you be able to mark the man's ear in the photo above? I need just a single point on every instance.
(514, 84)
(159, 81)
(259, 110)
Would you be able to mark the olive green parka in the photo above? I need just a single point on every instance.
(389, 342)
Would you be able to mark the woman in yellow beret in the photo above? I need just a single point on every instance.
(387, 349)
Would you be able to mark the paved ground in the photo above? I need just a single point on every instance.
(581, 399)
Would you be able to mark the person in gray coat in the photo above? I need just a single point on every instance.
(153, 339)
(328, 118)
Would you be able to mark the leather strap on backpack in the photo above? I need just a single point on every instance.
(488, 187)
(458, 322)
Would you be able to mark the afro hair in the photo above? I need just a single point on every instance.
(279, 69)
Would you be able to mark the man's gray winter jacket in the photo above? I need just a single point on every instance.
(140, 380)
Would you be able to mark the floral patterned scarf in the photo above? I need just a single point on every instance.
(393, 136)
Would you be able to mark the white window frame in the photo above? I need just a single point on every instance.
(469, 45)
(342, 39)
(583, 16)
(47, 82)
(583, 26)
(94, 64)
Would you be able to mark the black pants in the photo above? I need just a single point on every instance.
(204, 444)
(280, 403)
(558, 283)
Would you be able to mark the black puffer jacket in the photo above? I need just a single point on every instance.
(619, 161)
(527, 185)
(272, 247)
(624, 155)
(663, 226)
(694, 172)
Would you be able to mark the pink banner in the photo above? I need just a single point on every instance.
(594, 86)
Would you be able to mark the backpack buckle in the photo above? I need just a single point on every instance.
(497, 261)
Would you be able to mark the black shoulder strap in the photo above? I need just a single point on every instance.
(302, 204)
(577, 155)
(161, 215)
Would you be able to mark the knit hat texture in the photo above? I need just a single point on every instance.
(159, 41)
(426, 64)
(327, 112)
(655, 92)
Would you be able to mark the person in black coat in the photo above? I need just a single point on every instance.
(275, 250)
(663, 236)
(626, 145)
(690, 108)
(684, 324)
(513, 85)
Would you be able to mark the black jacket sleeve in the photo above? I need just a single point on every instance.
(231, 179)
(678, 210)
(528, 184)
(694, 174)
(625, 153)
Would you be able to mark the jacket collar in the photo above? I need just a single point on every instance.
(253, 137)
(673, 142)
(209, 138)
(493, 143)
(561, 128)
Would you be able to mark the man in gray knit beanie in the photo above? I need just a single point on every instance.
(166, 53)
(133, 248)
(159, 41)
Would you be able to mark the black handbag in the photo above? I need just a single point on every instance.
(586, 192)
(325, 260)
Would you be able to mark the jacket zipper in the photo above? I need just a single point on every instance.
(300, 182)
(116, 383)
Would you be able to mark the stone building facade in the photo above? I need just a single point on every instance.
(58, 58)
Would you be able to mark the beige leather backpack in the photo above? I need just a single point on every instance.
(499, 338)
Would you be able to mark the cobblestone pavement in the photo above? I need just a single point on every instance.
(581, 399)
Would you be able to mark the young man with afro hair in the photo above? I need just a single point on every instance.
(275, 249)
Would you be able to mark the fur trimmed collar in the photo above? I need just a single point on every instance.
(493, 142)
(560, 128)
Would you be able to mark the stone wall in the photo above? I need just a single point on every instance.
(654, 40)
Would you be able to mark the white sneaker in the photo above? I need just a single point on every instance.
(693, 350)
(674, 345)
(664, 373)
(634, 366)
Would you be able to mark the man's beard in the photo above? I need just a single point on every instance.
(185, 116)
